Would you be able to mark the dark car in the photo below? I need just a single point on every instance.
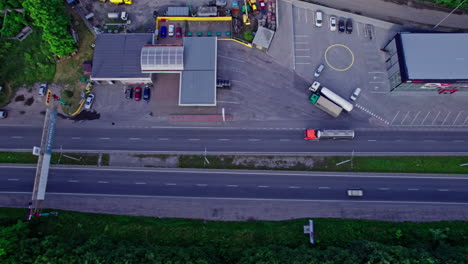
(146, 94)
(163, 31)
(129, 93)
(178, 32)
(341, 25)
(138, 94)
(349, 26)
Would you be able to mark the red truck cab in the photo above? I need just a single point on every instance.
(310, 134)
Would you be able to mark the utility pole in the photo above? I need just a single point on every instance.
(443, 19)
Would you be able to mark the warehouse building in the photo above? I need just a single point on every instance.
(436, 62)
(133, 59)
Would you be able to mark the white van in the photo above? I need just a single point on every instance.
(170, 31)
(355, 193)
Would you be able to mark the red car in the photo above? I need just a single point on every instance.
(178, 32)
(137, 94)
(262, 4)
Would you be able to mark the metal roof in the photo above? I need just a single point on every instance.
(156, 58)
(263, 37)
(435, 56)
(198, 80)
(118, 55)
(177, 11)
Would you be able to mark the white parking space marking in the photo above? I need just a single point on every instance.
(16, 137)
(301, 36)
(446, 118)
(302, 62)
(466, 119)
(302, 49)
(425, 118)
(395, 117)
(414, 119)
(436, 118)
(402, 121)
(302, 56)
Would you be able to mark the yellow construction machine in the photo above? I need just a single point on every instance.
(117, 2)
(245, 16)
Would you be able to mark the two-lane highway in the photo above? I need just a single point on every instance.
(229, 140)
(229, 184)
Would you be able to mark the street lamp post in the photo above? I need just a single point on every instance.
(449, 14)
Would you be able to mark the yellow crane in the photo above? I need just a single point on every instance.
(245, 16)
(127, 2)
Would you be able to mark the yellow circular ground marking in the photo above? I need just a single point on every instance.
(350, 52)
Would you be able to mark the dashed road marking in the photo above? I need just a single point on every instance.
(134, 138)
(201, 184)
(140, 182)
(254, 139)
(324, 188)
(384, 189)
(76, 138)
(73, 181)
(170, 184)
(371, 140)
(443, 190)
(16, 137)
(263, 186)
(193, 139)
(284, 140)
(232, 185)
(103, 182)
(13, 179)
(163, 139)
(224, 139)
(294, 187)
(105, 138)
(413, 189)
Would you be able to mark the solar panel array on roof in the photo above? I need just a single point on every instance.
(156, 58)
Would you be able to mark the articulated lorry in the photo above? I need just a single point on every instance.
(325, 105)
(315, 134)
(337, 99)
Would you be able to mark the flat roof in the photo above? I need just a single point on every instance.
(263, 37)
(198, 80)
(118, 55)
(435, 56)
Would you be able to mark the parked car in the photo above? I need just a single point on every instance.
(262, 4)
(163, 32)
(129, 93)
(319, 70)
(89, 101)
(341, 25)
(43, 89)
(318, 18)
(146, 94)
(3, 114)
(349, 26)
(178, 32)
(355, 94)
(137, 94)
(333, 23)
(171, 30)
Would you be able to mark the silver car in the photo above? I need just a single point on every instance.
(319, 70)
(89, 101)
(43, 89)
(355, 94)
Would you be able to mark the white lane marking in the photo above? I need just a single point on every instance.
(13, 179)
(429, 140)
(106, 138)
(324, 188)
(134, 138)
(75, 137)
(231, 185)
(443, 190)
(170, 184)
(371, 140)
(17, 137)
(193, 139)
(294, 187)
(201, 184)
(140, 182)
(103, 182)
(254, 139)
(163, 139)
(395, 117)
(384, 189)
(73, 181)
(436, 118)
(224, 139)
(457, 117)
(305, 56)
(284, 140)
(425, 117)
(263, 186)
(413, 189)
(458, 140)
(245, 199)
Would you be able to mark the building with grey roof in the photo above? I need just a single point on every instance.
(428, 62)
(263, 38)
(117, 58)
(132, 59)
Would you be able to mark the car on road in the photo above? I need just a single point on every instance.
(355, 192)
(262, 4)
(3, 114)
(332, 23)
(138, 94)
(89, 101)
(318, 18)
(43, 89)
(319, 70)
(349, 26)
(129, 93)
(163, 31)
(146, 94)
(171, 30)
(178, 32)
(341, 25)
(355, 94)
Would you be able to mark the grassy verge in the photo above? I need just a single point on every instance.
(69, 71)
(229, 240)
(105, 159)
(18, 157)
(57, 158)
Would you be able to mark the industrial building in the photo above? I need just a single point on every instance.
(436, 62)
(134, 59)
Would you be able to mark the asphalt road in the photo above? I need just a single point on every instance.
(234, 140)
(242, 184)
